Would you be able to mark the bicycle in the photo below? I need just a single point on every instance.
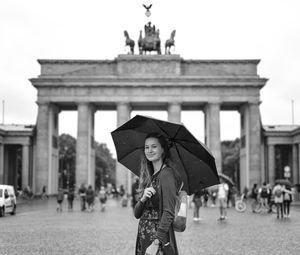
(240, 204)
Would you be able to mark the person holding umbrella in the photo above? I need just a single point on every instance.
(171, 156)
(156, 211)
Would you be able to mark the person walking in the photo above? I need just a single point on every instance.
(70, 199)
(44, 193)
(278, 199)
(197, 199)
(222, 198)
(254, 196)
(82, 195)
(264, 194)
(90, 197)
(159, 183)
(60, 199)
(102, 198)
(287, 200)
(205, 197)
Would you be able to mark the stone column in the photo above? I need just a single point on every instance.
(271, 163)
(123, 175)
(1, 162)
(25, 165)
(298, 169)
(294, 173)
(174, 112)
(254, 144)
(53, 150)
(85, 153)
(42, 147)
(212, 132)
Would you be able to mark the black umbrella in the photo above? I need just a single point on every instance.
(285, 182)
(193, 160)
(226, 179)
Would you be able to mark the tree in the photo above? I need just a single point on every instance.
(67, 161)
(105, 165)
(231, 159)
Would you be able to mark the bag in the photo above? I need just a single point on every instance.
(287, 196)
(264, 192)
(179, 223)
(278, 192)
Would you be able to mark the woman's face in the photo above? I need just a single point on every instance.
(153, 149)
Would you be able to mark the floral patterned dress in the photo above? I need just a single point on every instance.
(149, 221)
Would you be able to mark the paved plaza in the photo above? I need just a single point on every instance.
(38, 229)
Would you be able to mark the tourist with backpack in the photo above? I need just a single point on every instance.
(159, 185)
(264, 194)
(278, 199)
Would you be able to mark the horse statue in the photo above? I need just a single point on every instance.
(169, 43)
(151, 41)
(129, 42)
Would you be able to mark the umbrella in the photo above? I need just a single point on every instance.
(226, 179)
(284, 182)
(193, 160)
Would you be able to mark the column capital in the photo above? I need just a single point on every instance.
(254, 102)
(42, 103)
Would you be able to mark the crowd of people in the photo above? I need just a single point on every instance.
(276, 198)
(280, 194)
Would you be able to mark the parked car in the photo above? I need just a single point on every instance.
(8, 201)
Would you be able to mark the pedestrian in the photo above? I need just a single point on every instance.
(159, 183)
(60, 199)
(213, 197)
(264, 194)
(90, 197)
(205, 197)
(222, 198)
(82, 195)
(197, 199)
(102, 198)
(287, 200)
(70, 198)
(135, 192)
(278, 198)
(254, 197)
(44, 193)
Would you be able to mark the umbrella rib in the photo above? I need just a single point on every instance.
(188, 182)
(216, 174)
(131, 151)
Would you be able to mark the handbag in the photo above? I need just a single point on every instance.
(179, 223)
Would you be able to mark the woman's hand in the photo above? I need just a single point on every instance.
(152, 249)
(148, 193)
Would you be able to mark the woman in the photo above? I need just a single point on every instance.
(159, 182)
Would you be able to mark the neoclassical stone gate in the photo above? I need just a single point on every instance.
(144, 82)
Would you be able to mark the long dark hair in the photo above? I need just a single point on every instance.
(147, 170)
(146, 166)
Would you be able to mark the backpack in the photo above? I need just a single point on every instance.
(264, 192)
(278, 192)
(179, 223)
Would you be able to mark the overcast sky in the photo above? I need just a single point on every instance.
(91, 29)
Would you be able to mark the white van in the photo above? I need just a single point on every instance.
(8, 201)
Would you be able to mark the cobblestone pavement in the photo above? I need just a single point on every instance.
(38, 229)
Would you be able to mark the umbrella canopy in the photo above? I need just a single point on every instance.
(193, 160)
(226, 179)
(284, 182)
